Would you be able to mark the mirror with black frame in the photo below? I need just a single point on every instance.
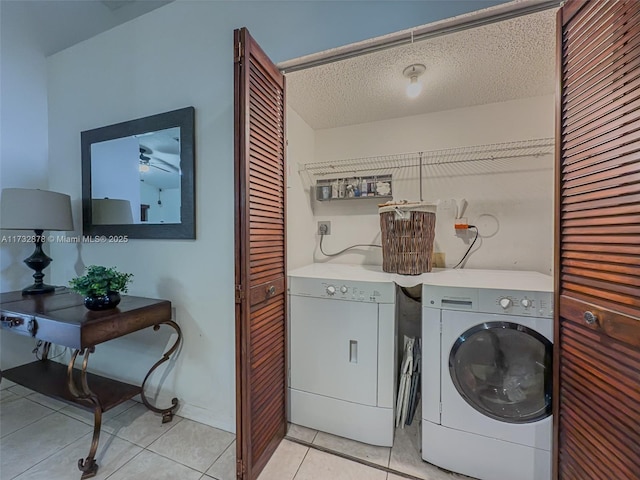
(138, 177)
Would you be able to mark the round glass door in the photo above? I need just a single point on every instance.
(504, 371)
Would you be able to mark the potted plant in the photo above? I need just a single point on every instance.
(101, 286)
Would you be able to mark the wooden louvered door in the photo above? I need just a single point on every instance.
(597, 354)
(261, 306)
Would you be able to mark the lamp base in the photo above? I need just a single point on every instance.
(36, 289)
(38, 261)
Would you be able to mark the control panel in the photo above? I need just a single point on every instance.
(515, 302)
(367, 292)
(509, 302)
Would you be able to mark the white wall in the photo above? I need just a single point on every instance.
(23, 150)
(114, 172)
(170, 208)
(112, 78)
(133, 71)
(300, 222)
(509, 200)
(168, 211)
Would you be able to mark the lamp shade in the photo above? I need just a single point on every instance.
(31, 209)
(111, 211)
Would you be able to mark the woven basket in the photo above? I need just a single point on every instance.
(408, 231)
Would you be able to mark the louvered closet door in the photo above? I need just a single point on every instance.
(260, 256)
(597, 359)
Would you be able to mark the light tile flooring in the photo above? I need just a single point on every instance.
(42, 439)
(404, 457)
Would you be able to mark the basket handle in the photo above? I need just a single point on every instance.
(399, 212)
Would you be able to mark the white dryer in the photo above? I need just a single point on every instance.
(487, 374)
(342, 325)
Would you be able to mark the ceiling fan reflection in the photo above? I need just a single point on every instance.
(146, 162)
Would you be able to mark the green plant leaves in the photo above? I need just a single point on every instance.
(99, 281)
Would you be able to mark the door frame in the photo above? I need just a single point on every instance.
(447, 26)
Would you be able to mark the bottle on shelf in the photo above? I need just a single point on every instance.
(334, 189)
(342, 189)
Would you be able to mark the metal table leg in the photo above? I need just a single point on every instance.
(45, 351)
(88, 466)
(167, 413)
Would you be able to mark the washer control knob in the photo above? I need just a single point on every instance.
(526, 303)
(505, 302)
(331, 290)
(343, 289)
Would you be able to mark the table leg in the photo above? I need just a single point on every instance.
(167, 413)
(45, 351)
(87, 466)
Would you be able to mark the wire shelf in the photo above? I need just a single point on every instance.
(388, 163)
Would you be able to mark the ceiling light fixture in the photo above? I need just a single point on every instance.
(144, 160)
(412, 72)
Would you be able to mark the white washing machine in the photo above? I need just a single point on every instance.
(342, 351)
(487, 374)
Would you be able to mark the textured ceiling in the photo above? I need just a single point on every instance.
(502, 61)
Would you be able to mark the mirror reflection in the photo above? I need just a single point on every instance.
(136, 179)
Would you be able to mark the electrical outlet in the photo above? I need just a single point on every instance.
(324, 228)
(438, 260)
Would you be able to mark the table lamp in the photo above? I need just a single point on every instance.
(111, 211)
(38, 210)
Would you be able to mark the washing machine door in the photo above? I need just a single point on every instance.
(503, 370)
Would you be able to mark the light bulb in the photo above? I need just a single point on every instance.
(414, 88)
(143, 168)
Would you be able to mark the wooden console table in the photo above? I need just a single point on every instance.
(61, 318)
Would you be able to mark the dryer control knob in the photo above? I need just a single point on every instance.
(526, 303)
(331, 290)
(505, 302)
(343, 289)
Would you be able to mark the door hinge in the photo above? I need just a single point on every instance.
(239, 52)
(239, 294)
(240, 469)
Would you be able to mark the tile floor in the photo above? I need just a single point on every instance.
(42, 439)
(403, 457)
